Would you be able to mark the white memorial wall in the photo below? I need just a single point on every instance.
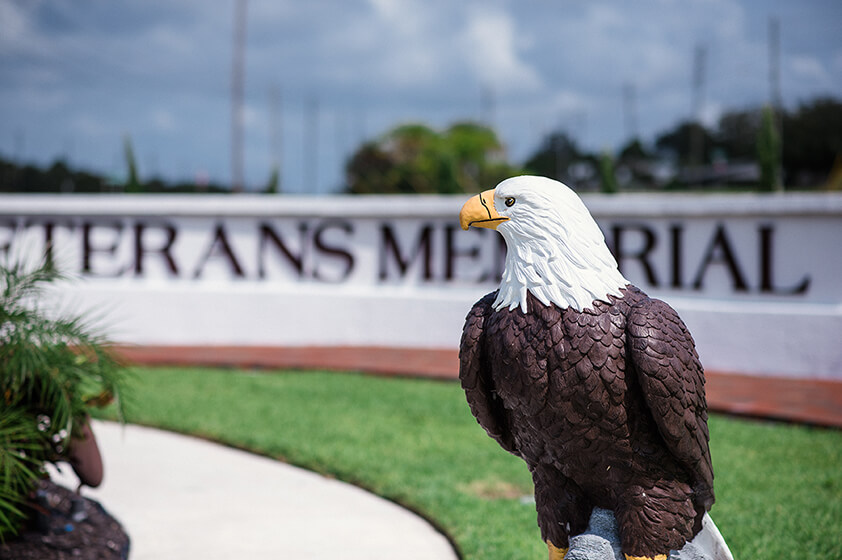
(757, 279)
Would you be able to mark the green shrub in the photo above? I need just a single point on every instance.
(52, 372)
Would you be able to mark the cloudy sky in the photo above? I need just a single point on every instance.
(322, 76)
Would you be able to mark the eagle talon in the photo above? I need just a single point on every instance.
(556, 553)
(656, 557)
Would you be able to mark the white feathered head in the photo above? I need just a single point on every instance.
(555, 249)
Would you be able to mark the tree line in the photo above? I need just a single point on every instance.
(59, 177)
(756, 148)
(748, 149)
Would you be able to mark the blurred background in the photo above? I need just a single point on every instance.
(418, 96)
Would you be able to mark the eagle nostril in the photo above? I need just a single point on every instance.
(485, 205)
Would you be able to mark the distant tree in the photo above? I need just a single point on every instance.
(687, 138)
(738, 132)
(556, 157)
(155, 185)
(59, 177)
(634, 151)
(478, 156)
(607, 178)
(636, 166)
(408, 159)
(133, 184)
(769, 152)
(274, 184)
(423, 162)
(812, 140)
(414, 158)
(369, 169)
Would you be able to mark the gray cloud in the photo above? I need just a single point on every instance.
(76, 77)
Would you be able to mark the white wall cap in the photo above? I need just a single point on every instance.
(627, 205)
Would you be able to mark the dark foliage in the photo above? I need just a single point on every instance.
(690, 142)
(60, 178)
(53, 370)
(812, 141)
(553, 159)
(415, 159)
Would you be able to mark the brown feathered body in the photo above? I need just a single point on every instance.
(607, 408)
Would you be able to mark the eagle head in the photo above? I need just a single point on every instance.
(555, 249)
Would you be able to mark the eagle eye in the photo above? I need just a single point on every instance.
(510, 201)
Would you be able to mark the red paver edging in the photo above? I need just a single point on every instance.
(810, 401)
(438, 363)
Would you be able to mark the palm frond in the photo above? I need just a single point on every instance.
(21, 457)
(53, 370)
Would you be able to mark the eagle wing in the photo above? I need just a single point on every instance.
(672, 379)
(475, 375)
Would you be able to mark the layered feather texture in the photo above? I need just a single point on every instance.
(555, 249)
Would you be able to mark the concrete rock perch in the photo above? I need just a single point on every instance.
(600, 541)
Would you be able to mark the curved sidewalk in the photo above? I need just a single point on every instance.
(181, 498)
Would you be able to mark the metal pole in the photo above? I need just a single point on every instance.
(775, 94)
(237, 93)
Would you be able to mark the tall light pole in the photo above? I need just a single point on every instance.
(697, 147)
(311, 145)
(275, 154)
(630, 110)
(237, 89)
(775, 94)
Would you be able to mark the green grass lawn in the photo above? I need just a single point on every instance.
(778, 487)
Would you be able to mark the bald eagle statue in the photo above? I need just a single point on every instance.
(595, 385)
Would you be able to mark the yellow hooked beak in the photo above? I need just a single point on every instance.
(479, 211)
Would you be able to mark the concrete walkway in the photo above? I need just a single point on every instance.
(182, 498)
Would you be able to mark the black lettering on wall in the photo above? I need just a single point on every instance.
(390, 251)
(433, 251)
(767, 278)
(220, 247)
(89, 249)
(48, 228)
(140, 249)
(269, 235)
(339, 253)
(618, 232)
(48, 243)
(676, 256)
(720, 251)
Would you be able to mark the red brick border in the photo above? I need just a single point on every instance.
(438, 363)
(810, 401)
